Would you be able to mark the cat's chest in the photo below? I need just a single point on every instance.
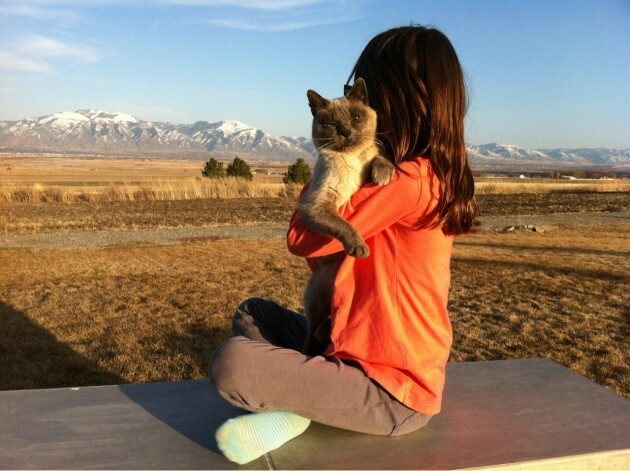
(345, 175)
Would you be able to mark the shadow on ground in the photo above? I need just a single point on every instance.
(32, 358)
(192, 408)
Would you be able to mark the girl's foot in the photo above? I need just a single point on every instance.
(245, 438)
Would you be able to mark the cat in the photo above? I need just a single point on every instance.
(344, 133)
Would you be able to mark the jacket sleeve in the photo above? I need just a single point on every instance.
(371, 209)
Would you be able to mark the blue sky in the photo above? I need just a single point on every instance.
(541, 74)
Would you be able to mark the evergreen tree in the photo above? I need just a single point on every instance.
(299, 172)
(239, 168)
(213, 169)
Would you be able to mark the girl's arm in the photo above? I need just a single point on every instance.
(371, 209)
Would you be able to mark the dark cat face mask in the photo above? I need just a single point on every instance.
(341, 124)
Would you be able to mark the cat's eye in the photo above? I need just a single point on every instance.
(356, 117)
(328, 124)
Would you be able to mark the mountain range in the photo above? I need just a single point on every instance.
(495, 153)
(100, 132)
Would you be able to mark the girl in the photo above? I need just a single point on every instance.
(383, 372)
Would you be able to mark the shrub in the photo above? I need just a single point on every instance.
(299, 172)
(239, 168)
(213, 169)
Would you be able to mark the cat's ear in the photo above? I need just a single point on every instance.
(315, 101)
(358, 91)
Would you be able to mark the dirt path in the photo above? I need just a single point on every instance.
(42, 218)
(164, 236)
(175, 236)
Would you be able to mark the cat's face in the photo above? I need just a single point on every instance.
(343, 124)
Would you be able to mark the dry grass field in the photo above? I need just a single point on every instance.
(73, 170)
(151, 312)
(54, 179)
(46, 179)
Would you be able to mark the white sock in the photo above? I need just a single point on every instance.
(245, 438)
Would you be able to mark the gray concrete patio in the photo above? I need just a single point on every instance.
(525, 414)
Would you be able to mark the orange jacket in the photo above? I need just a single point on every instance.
(389, 309)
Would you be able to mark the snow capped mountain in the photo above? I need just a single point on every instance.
(500, 153)
(64, 120)
(234, 136)
(599, 156)
(305, 143)
(119, 133)
(102, 132)
(92, 131)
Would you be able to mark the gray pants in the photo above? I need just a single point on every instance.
(262, 369)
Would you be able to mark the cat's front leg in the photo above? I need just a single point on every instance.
(354, 245)
(322, 333)
(382, 170)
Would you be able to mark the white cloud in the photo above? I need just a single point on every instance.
(37, 52)
(249, 4)
(273, 25)
(255, 15)
(287, 15)
(39, 46)
(38, 13)
(10, 61)
(16, 5)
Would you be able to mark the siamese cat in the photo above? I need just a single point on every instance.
(344, 133)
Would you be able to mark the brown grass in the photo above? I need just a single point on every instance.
(203, 188)
(160, 190)
(130, 314)
(29, 218)
(90, 170)
(559, 295)
(79, 179)
(76, 179)
(150, 313)
(32, 218)
(485, 186)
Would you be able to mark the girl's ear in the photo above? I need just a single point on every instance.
(315, 101)
(358, 91)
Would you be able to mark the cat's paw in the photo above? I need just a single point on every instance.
(382, 171)
(358, 250)
(354, 245)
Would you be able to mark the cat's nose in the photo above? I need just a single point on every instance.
(343, 131)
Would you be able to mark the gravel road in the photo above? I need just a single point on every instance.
(174, 236)
(163, 236)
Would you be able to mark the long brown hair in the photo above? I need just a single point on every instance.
(416, 85)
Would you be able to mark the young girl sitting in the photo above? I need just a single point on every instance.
(384, 371)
